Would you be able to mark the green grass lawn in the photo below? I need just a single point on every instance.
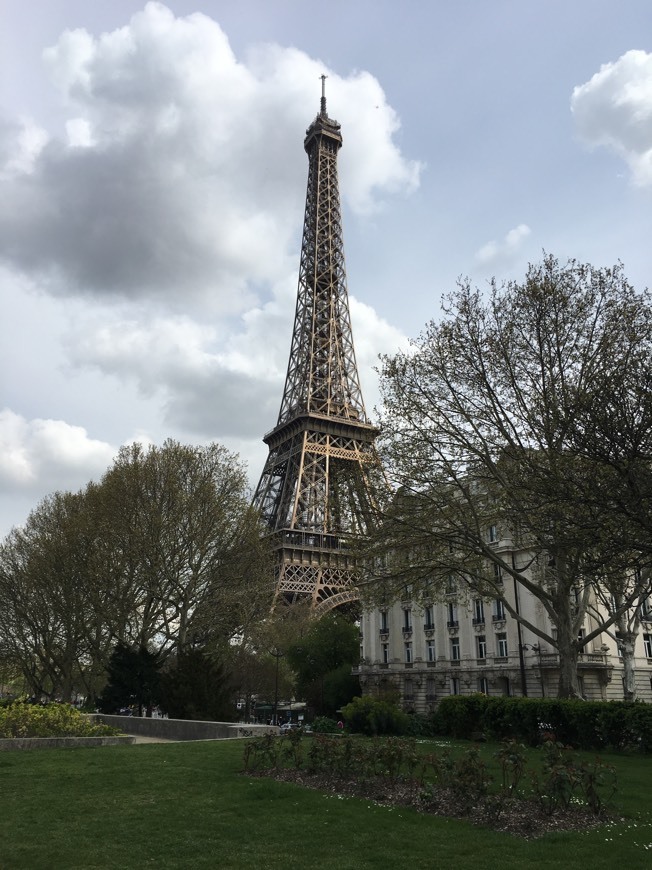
(186, 805)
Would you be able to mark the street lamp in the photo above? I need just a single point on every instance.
(276, 652)
(535, 647)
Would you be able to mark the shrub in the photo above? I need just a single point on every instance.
(372, 716)
(53, 720)
(324, 725)
(459, 716)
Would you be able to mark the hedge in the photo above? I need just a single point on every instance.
(614, 725)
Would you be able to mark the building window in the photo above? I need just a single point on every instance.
(580, 637)
(478, 611)
(408, 653)
(481, 646)
(385, 651)
(429, 615)
(408, 690)
(407, 619)
(483, 686)
(646, 609)
(430, 689)
(430, 650)
(455, 685)
(647, 645)
(501, 645)
(498, 574)
(492, 534)
(499, 610)
(619, 644)
(452, 614)
(384, 621)
(455, 649)
(451, 585)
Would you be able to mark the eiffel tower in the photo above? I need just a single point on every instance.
(316, 492)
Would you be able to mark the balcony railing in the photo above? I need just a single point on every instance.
(584, 660)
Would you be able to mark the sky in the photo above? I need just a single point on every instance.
(152, 186)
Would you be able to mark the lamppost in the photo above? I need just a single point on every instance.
(535, 647)
(276, 652)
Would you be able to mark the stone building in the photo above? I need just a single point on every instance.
(455, 644)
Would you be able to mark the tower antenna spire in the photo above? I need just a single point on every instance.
(323, 95)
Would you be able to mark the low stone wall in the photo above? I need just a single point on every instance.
(181, 729)
(10, 743)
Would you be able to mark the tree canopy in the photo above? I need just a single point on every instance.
(322, 659)
(165, 552)
(525, 414)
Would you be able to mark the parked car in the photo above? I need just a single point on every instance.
(289, 726)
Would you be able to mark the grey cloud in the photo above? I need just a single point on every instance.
(182, 178)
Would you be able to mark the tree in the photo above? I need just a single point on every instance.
(184, 543)
(197, 686)
(493, 428)
(322, 660)
(164, 552)
(133, 679)
(46, 602)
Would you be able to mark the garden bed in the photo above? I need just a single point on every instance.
(558, 792)
(516, 816)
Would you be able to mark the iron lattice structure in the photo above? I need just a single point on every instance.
(317, 492)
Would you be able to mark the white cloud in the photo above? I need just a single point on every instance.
(614, 109)
(48, 454)
(20, 147)
(502, 252)
(372, 337)
(179, 177)
(211, 381)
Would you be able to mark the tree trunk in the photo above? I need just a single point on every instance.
(568, 654)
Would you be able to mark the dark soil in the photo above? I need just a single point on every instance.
(514, 815)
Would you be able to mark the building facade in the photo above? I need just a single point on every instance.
(425, 649)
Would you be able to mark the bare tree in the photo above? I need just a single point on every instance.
(486, 426)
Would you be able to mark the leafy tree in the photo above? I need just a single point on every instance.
(493, 427)
(256, 673)
(46, 603)
(185, 543)
(197, 687)
(133, 679)
(322, 659)
(164, 552)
